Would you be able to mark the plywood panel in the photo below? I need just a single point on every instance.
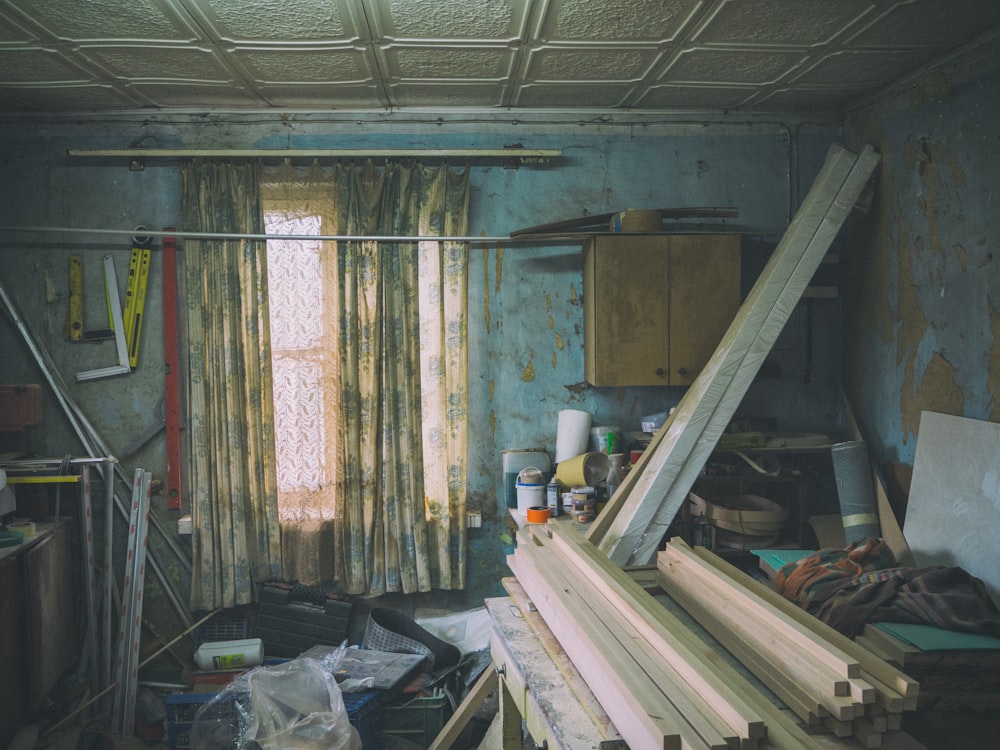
(954, 507)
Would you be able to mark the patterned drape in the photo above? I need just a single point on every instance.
(236, 536)
(380, 505)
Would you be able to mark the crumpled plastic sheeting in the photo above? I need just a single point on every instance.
(296, 705)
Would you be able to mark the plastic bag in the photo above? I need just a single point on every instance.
(296, 705)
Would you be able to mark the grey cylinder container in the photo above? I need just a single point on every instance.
(853, 474)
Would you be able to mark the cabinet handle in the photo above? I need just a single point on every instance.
(682, 371)
(660, 372)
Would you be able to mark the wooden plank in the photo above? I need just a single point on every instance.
(791, 632)
(657, 683)
(789, 671)
(602, 220)
(611, 674)
(872, 667)
(782, 685)
(671, 675)
(714, 684)
(450, 732)
(634, 534)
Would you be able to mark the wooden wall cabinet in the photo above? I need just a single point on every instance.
(656, 306)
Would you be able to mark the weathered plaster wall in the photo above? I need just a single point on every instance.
(922, 300)
(526, 317)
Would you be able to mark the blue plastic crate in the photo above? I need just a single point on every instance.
(362, 712)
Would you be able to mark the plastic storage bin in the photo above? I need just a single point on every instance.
(418, 720)
(362, 712)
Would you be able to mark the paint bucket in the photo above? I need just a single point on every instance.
(513, 462)
(530, 489)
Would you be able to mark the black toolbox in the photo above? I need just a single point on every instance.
(292, 619)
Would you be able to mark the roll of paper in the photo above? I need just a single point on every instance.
(572, 434)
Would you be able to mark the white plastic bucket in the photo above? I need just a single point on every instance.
(529, 496)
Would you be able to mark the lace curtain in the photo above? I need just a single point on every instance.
(370, 375)
(236, 537)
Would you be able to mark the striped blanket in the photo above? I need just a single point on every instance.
(863, 582)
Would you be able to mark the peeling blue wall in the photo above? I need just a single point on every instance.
(922, 303)
(526, 317)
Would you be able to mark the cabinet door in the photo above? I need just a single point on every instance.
(704, 299)
(625, 306)
(656, 306)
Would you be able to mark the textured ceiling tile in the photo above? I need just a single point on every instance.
(563, 64)
(808, 100)
(452, 95)
(12, 31)
(876, 68)
(81, 20)
(714, 65)
(616, 20)
(693, 97)
(200, 95)
(278, 20)
(39, 65)
(570, 95)
(319, 96)
(455, 63)
(189, 63)
(931, 23)
(74, 98)
(414, 20)
(304, 65)
(781, 22)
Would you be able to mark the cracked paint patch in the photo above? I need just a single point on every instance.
(529, 372)
(994, 365)
(938, 390)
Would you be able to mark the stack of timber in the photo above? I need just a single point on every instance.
(952, 679)
(661, 684)
(823, 676)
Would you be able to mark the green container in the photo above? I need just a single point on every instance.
(419, 720)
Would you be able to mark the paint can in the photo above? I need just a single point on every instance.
(530, 489)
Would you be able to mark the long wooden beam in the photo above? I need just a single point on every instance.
(712, 680)
(612, 674)
(711, 730)
(871, 665)
(578, 593)
(638, 521)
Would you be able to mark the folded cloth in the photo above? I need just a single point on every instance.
(861, 583)
(391, 630)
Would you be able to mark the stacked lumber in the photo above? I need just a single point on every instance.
(820, 674)
(965, 680)
(661, 684)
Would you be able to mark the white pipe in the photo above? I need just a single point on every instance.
(507, 240)
(314, 152)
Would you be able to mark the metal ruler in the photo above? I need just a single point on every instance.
(115, 309)
(135, 296)
(130, 627)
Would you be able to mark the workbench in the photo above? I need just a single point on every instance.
(539, 685)
(541, 691)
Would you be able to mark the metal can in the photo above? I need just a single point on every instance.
(553, 497)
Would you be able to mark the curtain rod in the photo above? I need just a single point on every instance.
(143, 232)
(306, 152)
